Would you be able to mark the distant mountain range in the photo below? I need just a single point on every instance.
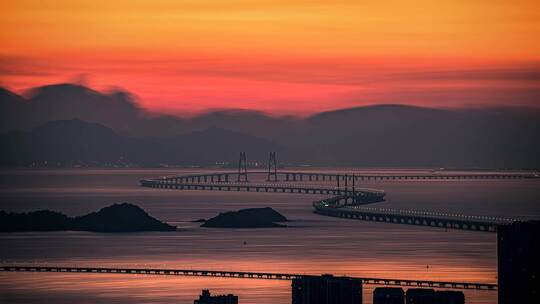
(70, 142)
(67, 124)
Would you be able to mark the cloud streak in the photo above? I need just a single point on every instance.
(285, 86)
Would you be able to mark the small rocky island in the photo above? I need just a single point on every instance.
(247, 218)
(115, 218)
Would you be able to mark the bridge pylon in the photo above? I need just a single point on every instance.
(272, 168)
(242, 168)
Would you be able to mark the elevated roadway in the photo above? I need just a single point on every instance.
(239, 275)
(346, 200)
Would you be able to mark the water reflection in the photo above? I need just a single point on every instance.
(314, 244)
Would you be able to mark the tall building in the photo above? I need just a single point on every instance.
(518, 251)
(326, 289)
(388, 295)
(206, 298)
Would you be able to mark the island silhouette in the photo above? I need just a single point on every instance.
(247, 218)
(123, 217)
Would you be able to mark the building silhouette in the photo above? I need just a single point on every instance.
(326, 289)
(420, 296)
(388, 295)
(207, 298)
(518, 252)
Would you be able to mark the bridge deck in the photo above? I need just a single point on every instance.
(329, 176)
(260, 187)
(410, 217)
(239, 274)
(437, 215)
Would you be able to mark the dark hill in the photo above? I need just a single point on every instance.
(41, 220)
(68, 142)
(61, 142)
(404, 136)
(13, 111)
(117, 110)
(247, 218)
(68, 101)
(116, 218)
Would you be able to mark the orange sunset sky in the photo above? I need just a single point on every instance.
(283, 57)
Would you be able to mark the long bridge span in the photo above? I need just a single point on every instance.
(411, 217)
(314, 176)
(240, 275)
(264, 187)
(346, 199)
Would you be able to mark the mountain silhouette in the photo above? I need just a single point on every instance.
(69, 142)
(398, 136)
(90, 126)
(60, 142)
(117, 110)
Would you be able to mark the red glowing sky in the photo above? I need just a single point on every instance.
(278, 56)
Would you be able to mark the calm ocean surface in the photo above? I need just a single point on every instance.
(313, 244)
